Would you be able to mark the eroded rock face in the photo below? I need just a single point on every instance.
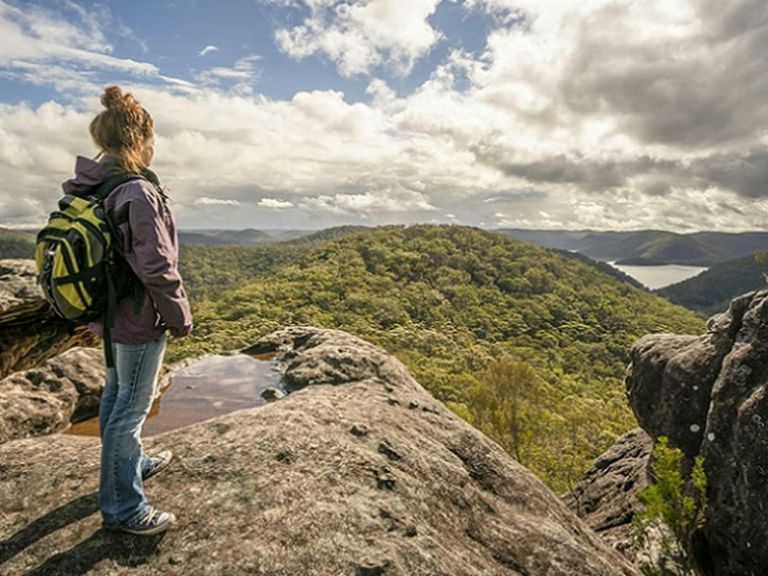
(708, 395)
(359, 471)
(30, 332)
(606, 499)
(19, 293)
(43, 400)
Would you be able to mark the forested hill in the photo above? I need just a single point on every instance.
(649, 247)
(712, 290)
(449, 301)
(16, 244)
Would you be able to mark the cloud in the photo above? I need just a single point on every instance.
(657, 70)
(360, 36)
(207, 50)
(744, 172)
(22, 209)
(205, 201)
(44, 47)
(273, 203)
(243, 74)
(584, 114)
(365, 205)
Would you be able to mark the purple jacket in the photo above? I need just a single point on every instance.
(150, 248)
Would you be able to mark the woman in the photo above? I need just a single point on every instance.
(147, 241)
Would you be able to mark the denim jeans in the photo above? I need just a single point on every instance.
(130, 388)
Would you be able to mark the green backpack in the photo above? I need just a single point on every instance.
(78, 267)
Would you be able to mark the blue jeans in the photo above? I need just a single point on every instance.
(130, 388)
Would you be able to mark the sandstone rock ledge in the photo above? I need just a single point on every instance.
(359, 471)
(43, 400)
(30, 332)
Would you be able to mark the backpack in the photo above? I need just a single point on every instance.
(79, 269)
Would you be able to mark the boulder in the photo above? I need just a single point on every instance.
(43, 400)
(30, 332)
(707, 394)
(357, 471)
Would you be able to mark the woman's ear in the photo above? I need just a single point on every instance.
(148, 151)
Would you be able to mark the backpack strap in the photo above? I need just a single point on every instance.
(106, 187)
(101, 194)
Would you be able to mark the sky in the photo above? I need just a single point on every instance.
(553, 114)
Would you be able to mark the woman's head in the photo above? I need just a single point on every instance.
(124, 130)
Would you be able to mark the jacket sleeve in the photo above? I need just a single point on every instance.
(156, 257)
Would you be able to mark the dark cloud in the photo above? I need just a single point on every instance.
(708, 88)
(746, 174)
(589, 174)
(657, 188)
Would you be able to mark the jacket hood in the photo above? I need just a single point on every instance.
(91, 173)
(88, 174)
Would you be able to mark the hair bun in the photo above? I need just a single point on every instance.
(113, 98)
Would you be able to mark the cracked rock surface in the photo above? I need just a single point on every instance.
(358, 471)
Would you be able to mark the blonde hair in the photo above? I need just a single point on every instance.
(122, 128)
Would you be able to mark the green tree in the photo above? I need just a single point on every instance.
(507, 404)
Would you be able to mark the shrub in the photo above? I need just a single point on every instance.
(673, 501)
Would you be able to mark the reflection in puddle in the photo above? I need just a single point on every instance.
(208, 387)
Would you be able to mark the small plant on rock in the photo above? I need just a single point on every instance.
(674, 509)
(761, 258)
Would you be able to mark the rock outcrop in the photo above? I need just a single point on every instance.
(358, 471)
(606, 498)
(20, 296)
(30, 332)
(708, 395)
(43, 400)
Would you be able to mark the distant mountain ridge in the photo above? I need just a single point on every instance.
(712, 290)
(649, 247)
(16, 244)
(209, 236)
(251, 236)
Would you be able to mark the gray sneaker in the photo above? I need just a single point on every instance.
(157, 464)
(153, 522)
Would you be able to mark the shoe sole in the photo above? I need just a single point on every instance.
(149, 531)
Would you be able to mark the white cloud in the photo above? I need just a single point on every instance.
(207, 50)
(359, 36)
(397, 200)
(205, 201)
(243, 74)
(274, 203)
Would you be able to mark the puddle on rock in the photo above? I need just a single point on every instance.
(207, 387)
